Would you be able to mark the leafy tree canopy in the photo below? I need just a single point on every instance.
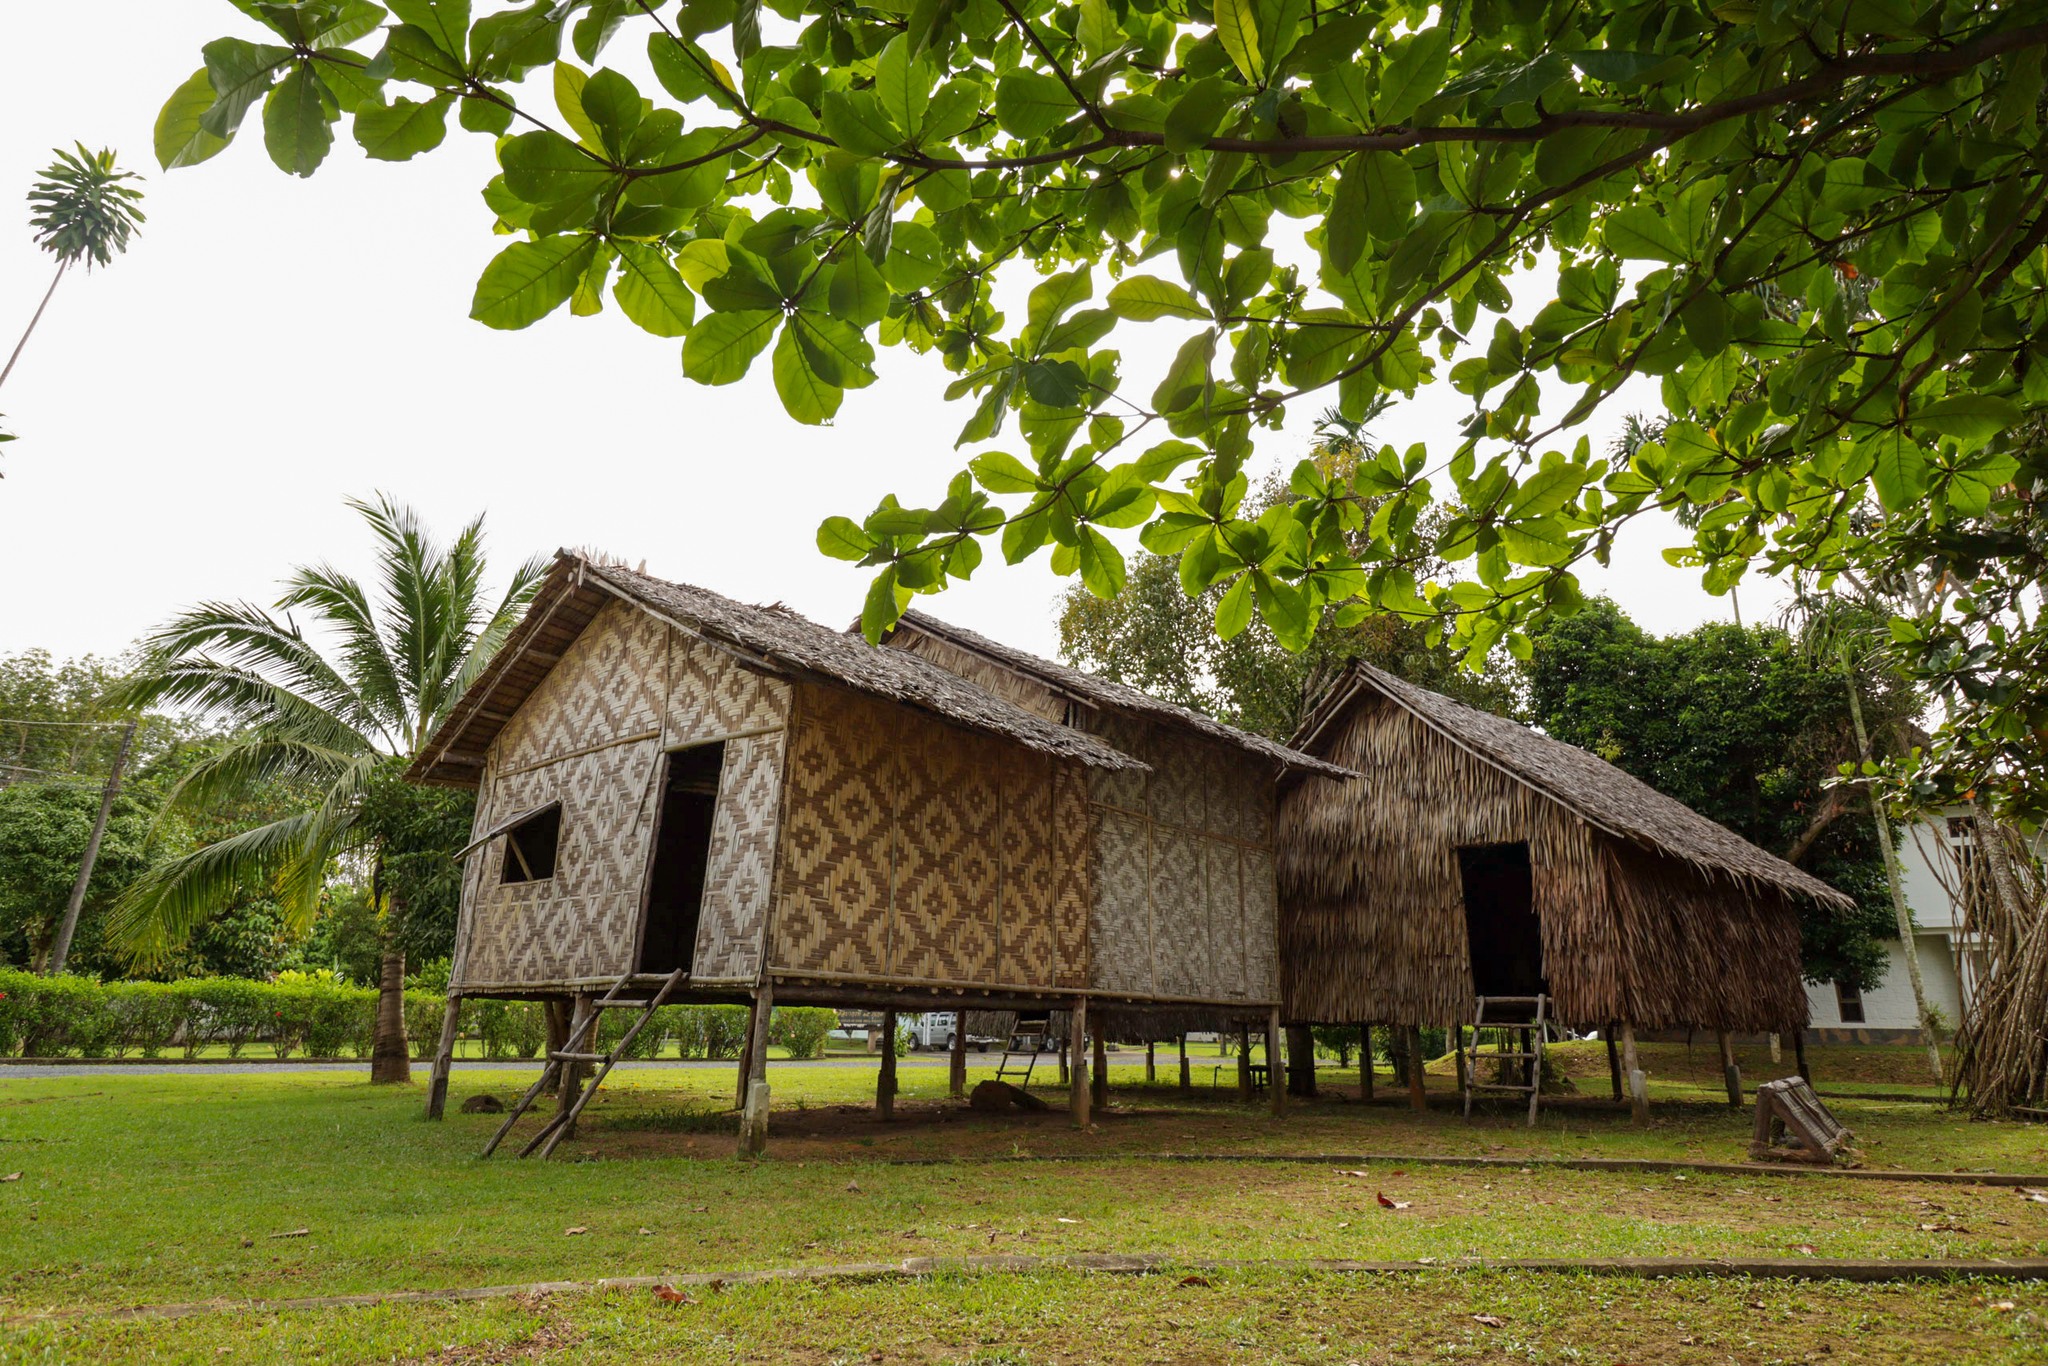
(1816, 227)
(1740, 725)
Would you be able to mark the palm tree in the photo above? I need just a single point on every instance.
(82, 212)
(335, 724)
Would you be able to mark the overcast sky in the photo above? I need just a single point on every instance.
(191, 419)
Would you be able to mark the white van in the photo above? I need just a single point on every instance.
(934, 1030)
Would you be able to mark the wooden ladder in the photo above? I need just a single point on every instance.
(1531, 1016)
(574, 1051)
(1006, 1068)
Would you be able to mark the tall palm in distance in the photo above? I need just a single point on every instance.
(336, 723)
(82, 209)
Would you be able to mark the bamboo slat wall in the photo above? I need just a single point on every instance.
(917, 850)
(1373, 918)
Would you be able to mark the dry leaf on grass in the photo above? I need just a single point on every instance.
(1063, 1219)
(2003, 1307)
(572, 1232)
(853, 1185)
(1342, 1172)
(1490, 1320)
(1805, 1249)
(1194, 1280)
(668, 1294)
(1392, 1204)
(293, 1233)
(2033, 1193)
(11, 1176)
(646, 1233)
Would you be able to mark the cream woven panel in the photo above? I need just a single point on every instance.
(709, 694)
(608, 684)
(1181, 915)
(1261, 927)
(1120, 921)
(1221, 882)
(583, 921)
(1073, 892)
(739, 874)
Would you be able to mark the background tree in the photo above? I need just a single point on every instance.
(340, 725)
(81, 210)
(1818, 226)
(1743, 726)
(1154, 635)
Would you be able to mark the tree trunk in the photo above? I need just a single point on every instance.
(33, 321)
(1907, 942)
(389, 1059)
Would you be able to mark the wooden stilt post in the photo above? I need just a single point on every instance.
(1365, 1068)
(1151, 1063)
(555, 1014)
(885, 1080)
(1301, 1061)
(1730, 1070)
(754, 1113)
(1638, 1084)
(956, 1065)
(1098, 1075)
(444, 1059)
(1077, 1049)
(1613, 1058)
(1458, 1051)
(1066, 1067)
(1244, 1062)
(573, 1073)
(744, 1071)
(1418, 1098)
(1276, 1069)
(1799, 1054)
(1187, 1080)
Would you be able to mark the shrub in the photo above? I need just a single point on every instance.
(507, 1029)
(613, 1027)
(802, 1029)
(230, 1010)
(148, 1015)
(725, 1028)
(423, 1015)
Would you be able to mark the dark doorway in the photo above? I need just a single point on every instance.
(1501, 929)
(682, 848)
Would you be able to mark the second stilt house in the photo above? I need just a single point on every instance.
(1473, 858)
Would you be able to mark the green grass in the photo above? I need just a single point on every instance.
(153, 1188)
(1043, 1319)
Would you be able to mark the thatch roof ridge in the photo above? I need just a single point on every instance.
(1102, 692)
(1597, 791)
(786, 640)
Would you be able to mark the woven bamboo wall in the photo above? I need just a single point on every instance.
(1372, 923)
(627, 675)
(583, 921)
(1182, 867)
(912, 850)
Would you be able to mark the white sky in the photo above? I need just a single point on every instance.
(191, 419)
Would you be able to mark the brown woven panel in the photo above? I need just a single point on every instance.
(1181, 906)
(1373, 914)
(1024, 948)
(832, 897)
(1073, 891)
(913, 850)
(709, 695)
(607, 685)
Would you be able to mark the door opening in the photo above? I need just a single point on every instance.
(682, 849)
(1502, 932)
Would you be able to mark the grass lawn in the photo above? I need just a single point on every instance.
(154, 1188)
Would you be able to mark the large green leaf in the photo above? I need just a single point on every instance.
(446, 21)
(180, 140)
(241, 72)
(1142, 298)
(403, 129)
(1413, 73)
(298, 122)
(721, 346)
(651, 293)
(1030, 104)
(1641, 233)
(547, 168)
(529, 280)
(1237, 28)
(807, 394)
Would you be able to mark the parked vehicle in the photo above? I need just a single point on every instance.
(934, 1030)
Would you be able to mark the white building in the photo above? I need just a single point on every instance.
(1886, 1014)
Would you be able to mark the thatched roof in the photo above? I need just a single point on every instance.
(1599, 793)
(1095, 692)
(772, 639)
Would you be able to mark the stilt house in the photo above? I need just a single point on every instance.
(1475, 857)
(1181, 851)
(669, 780)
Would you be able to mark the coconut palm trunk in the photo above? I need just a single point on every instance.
(339, 728)
(31, 329)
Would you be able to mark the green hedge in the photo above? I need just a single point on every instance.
(309, 1016)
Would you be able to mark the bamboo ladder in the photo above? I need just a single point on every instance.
(571, 1051)
(1532, 1018)
(1005, 1069)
